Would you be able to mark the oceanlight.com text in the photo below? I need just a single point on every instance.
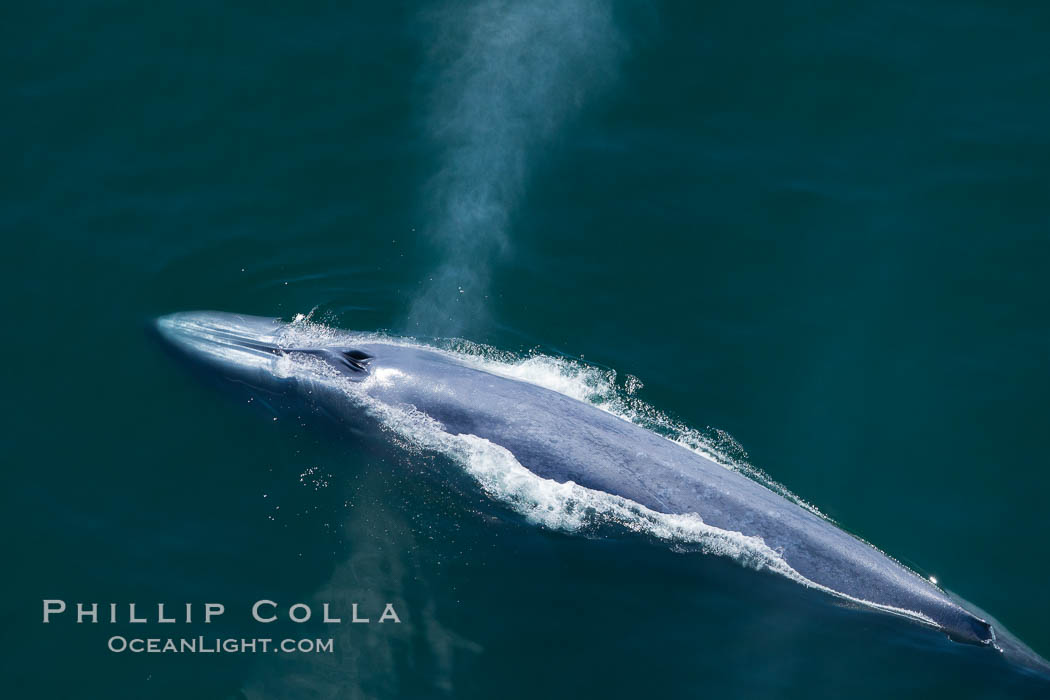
(217, 645)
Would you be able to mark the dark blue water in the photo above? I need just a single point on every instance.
(820, 228)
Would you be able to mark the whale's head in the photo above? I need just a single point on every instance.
(260, 351)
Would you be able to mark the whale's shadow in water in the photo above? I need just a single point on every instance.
(608, 615)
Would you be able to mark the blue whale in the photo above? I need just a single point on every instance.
(440, 400)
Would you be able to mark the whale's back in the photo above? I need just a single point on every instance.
(561, 438)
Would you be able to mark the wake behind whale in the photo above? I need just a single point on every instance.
(530, 439)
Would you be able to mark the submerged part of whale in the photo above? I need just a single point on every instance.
(557, 458)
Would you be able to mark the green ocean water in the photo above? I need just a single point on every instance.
(819, 228)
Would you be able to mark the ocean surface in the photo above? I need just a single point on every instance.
(813, 235)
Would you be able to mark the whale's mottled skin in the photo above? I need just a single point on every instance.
(560, 438)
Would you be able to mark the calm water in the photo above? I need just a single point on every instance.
(821, 229)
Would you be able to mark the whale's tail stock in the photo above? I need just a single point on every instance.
(1014, 651)
(1020, 654)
